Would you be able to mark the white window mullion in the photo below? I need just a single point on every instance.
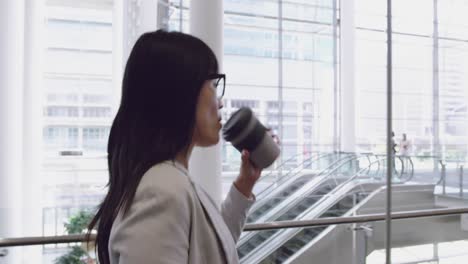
(347, 93)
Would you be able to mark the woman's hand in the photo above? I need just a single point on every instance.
(248, 175)
(274, 136)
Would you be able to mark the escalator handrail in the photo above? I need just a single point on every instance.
(411, 163)
(293, 177)
(351, 212)
(284, 179)
(310, 160)
(352, 178)
(286, 176)
(334, 166)
(338, 188)
(282, 164)
(260, 201)
(267, 247)
(289, 204)
(357, 175)
(336, 193)
(411, 166)
(320, 202)
(340, 162)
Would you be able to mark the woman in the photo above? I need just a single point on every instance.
(154, 212)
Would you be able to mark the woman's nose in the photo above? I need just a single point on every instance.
(220, 103)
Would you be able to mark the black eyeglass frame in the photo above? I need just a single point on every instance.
(219, 77)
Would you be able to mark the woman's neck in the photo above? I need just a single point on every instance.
(183, 157)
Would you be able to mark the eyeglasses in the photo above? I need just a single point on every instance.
(219, 83)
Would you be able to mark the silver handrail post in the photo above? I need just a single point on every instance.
(443, 172)
(461, 180)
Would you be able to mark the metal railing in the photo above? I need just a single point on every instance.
(443, 178)
(31, 241)
(461, 181)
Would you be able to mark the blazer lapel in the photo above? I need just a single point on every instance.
(219, 224)
(222, 231)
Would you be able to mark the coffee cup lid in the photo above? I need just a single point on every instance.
(236, 123)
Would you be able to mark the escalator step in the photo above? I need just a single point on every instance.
(297, 211)
(256, 240)
(309, 232)
(302, 240)
(287, 251)
(282, 257)
(295, 247)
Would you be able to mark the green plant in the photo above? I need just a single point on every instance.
(76, 225)
(78, 222)
(75, 256)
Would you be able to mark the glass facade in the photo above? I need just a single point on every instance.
(78, 76)
(429, 79)
(282, 60)
(78, 110)
(294, 88)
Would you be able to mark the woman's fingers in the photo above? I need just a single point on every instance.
(245, 155)
(273, 135)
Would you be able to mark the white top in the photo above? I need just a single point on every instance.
(405, 147)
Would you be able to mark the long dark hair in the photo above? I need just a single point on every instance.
(155, 121)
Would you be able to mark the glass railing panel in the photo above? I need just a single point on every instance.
(302, 237)
(454, 182)
(64, 253)
(310, 164)
(355, 198)
(297, 179)
(427, 169)
(352, 169)
(428, 239)
(434, 239)
(297, 208)
(370, 171)
(326, 201)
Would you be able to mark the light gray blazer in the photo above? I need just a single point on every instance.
(173, 220)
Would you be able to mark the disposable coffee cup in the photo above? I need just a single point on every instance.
(245, 131)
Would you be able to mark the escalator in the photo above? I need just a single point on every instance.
(248, 245)
(292, 182)
(305, 235)
(276, 246)
(278, 198)
(302, 245)
(299, 203)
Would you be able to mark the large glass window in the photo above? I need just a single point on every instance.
(78, 107)
(428, 72)
(289, 49)
(453, 80)
(80, 92)
(429, 98)
(281, 58)
(370, 75)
